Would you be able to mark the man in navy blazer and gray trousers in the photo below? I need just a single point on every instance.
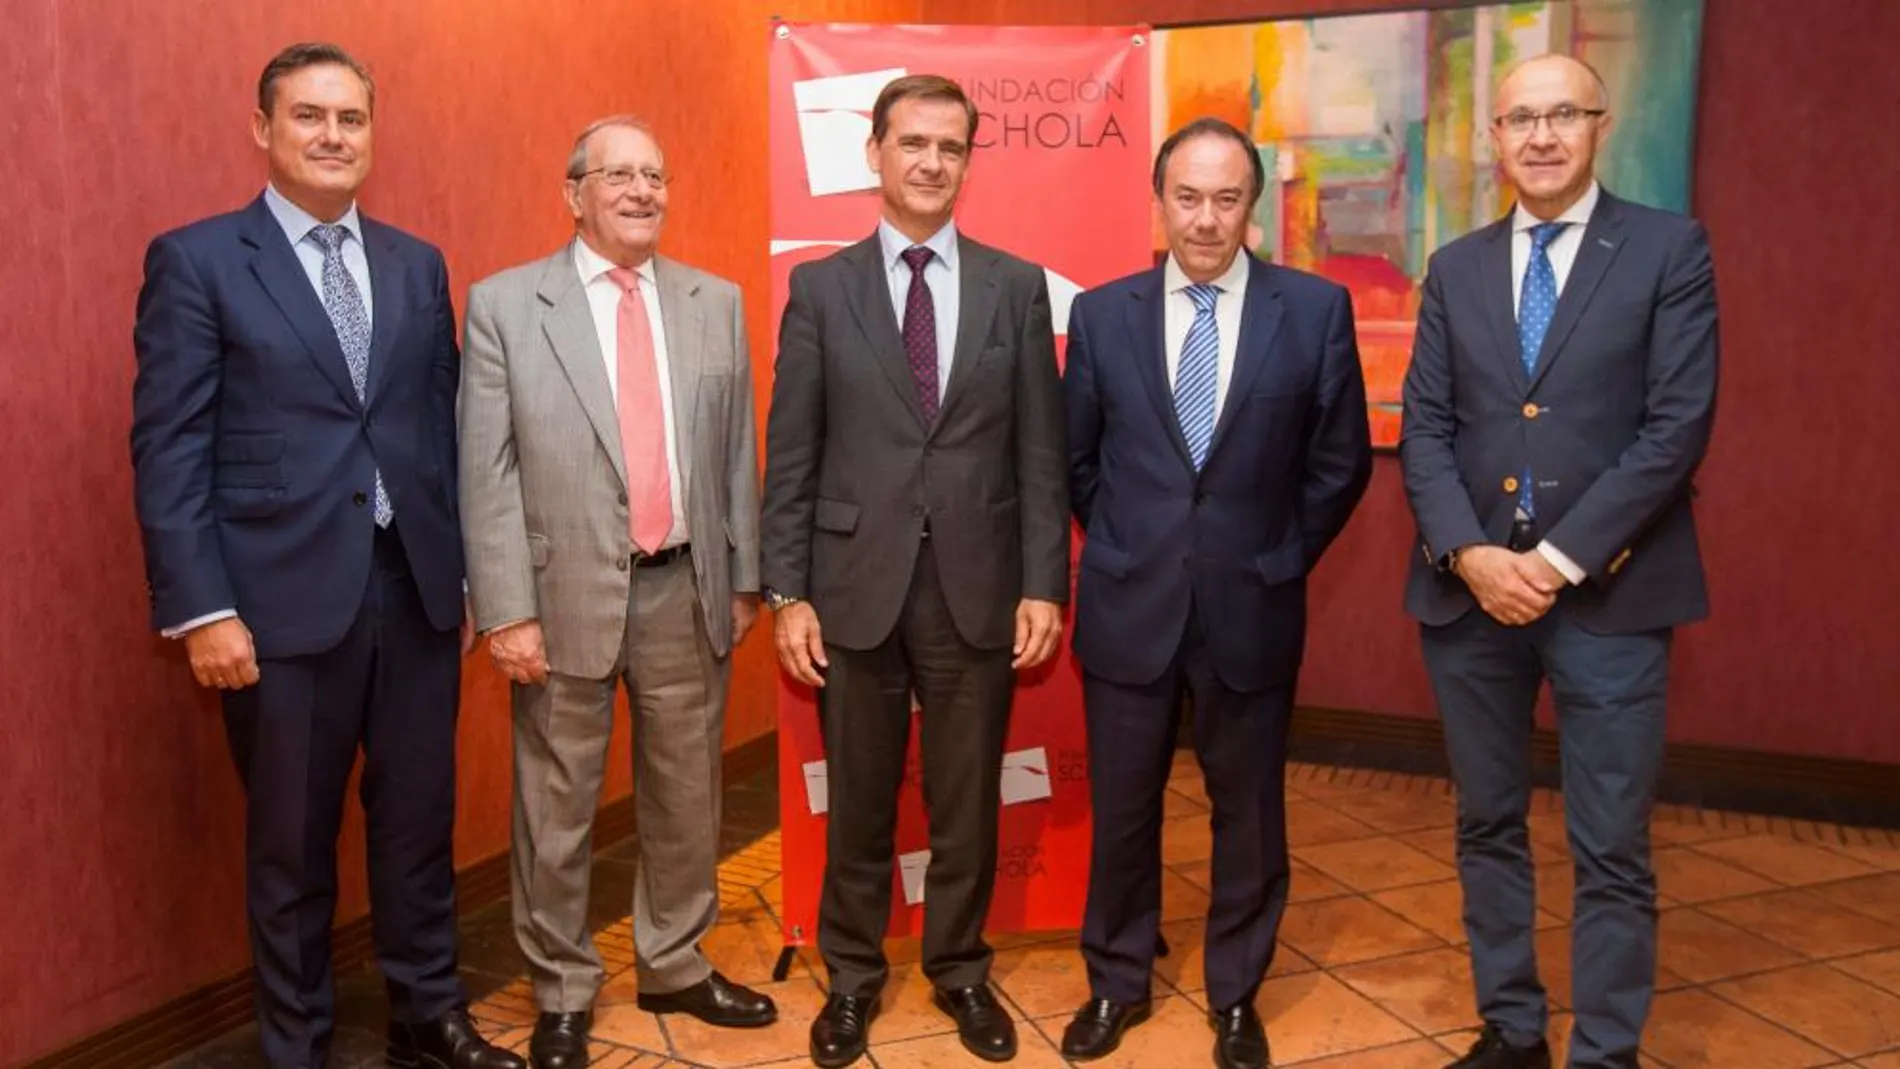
(1218, 443)
(1560, 398)
(293, 449)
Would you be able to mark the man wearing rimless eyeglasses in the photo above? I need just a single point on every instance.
(610, 507)
(1560, 398)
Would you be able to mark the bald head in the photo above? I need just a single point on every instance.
(1576, 80)
(1551, 116)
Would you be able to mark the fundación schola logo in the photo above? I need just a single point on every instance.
(834, 120)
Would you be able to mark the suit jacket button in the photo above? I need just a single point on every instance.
(359, 498)
(1531, 410)
(623, 497)
(621, 564)
(1510, 484)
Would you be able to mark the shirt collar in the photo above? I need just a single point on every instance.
(298, 223)
(1578, 213)
(1232, 280)
(593, 265)
(893, 243)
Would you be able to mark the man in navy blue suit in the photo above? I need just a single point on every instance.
(1217, 444)
(1560, 398)
(293, 449)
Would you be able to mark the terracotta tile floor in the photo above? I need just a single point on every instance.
(1780, 946)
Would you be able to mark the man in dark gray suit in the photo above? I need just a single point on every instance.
(1560, 398)
(915, 504)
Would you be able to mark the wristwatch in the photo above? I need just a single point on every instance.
(777, 601)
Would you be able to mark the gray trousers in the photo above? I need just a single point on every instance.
(1610, 692)
(676, 689)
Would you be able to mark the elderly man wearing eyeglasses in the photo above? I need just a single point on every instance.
(609, 494)
(1559, 401)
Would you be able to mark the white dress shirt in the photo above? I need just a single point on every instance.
(940, 274)
(1179, 312)
(603, 300)
(297, 225)
(1562, 252)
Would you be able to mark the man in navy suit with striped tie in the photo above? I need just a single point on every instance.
(1560, 399)
(1217, 444)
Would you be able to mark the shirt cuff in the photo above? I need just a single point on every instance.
(1562, 563)
(181, 630)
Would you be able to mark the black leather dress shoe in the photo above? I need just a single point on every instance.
(839, 1032)
(717, 1001)
(560, 1040)
(1492, 1052)
(1096, 1030)
(448, 1042)
(982, 1023)
(1240, 1040)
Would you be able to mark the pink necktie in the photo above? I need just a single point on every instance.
(642, 420)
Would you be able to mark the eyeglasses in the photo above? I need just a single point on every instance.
(619, 177)
(1564, 119)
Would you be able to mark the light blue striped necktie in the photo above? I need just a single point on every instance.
(1535, 305)
(1199, 370)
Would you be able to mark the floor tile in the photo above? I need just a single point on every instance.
(1786, 861)
(1375, 864)
(1431, 991)
(626, 1024)
(906, 1009)
(1415, 1054)
(1340, 931)
(1175, 804)
(1392, 812)
(1313, 1015)
(1034, 1051)
(721, 1048)
(1807, 924)
(1687, 875)
(1881, 969)
(1876, 896)
(1185, 840)
(1823, 1006)
(1702, 948)
(1439, 909)
(1556, 886)
(1696, 1030)
(1042, 980)
(1184, 969)
(1439, 843)
(1177, 1034)
(1316, 823)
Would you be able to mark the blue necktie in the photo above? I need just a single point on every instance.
(344, 303)
(1199, 369)
(1535, 305)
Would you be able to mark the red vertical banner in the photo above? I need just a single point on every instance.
(1059, 177)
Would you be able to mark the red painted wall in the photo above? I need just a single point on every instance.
(122, 840)
(1794, 174)
(121, 844)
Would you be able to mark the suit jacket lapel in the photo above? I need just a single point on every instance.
(282, 275)
(388, 305)
(977, 296)
(1259, 322)
(871, 303)
(1602, 238)
(683, 322)
(1147, 320)
(1499, 306)
(569, 325)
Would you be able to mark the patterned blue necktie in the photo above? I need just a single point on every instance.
(344, 303)
(1195, 378)
(1535, 305)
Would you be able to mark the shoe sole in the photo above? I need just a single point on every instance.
(1134, 1019)
(838, 1062)
(736, 1022)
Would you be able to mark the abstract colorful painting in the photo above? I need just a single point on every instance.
(1374, 132)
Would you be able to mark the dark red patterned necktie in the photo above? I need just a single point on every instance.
(920, 332)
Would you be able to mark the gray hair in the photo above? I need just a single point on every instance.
(577, 159)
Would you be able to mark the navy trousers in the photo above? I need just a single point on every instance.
(1610, 696)
(390, 689)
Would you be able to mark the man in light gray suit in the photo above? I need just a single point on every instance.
(610, 504)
